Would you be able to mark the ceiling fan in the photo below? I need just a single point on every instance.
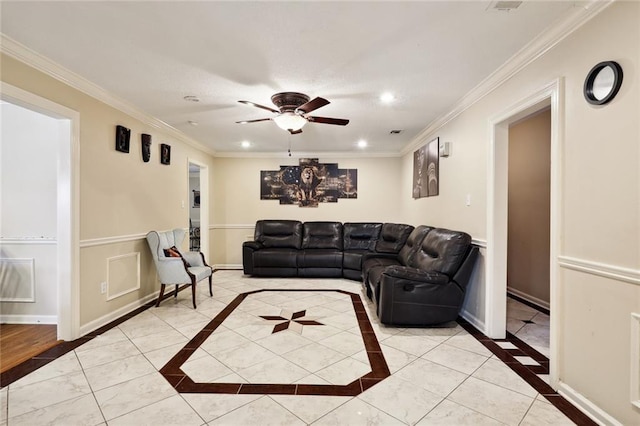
(293, 112)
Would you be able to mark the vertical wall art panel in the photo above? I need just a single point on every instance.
(426, 170)
(309, 183)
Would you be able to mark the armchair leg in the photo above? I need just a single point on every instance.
(210, 291)
(160, 295)
(176, 293)
(193, 291)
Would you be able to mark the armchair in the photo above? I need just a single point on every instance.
(190, 268)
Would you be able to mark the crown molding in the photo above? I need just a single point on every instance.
(22, 53)
(525, 56)
(308, 154)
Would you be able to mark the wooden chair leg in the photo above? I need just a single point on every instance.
(193, 291)
(210, 291)
(176, 294)
(160, 296)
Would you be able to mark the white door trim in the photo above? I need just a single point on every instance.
(68, 230)
(497, 198)
(204, 206)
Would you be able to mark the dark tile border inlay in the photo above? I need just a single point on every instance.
(183, 384)
(529, 373)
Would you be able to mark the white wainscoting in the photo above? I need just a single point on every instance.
(120, 270)
(18, 280)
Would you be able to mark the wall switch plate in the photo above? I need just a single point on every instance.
(467, 200)
(103, 287)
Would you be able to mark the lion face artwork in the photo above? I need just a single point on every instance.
(309, 183)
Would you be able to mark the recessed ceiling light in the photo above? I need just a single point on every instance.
(245, 144)
(387, 97)
(191, 98)
(362, 143)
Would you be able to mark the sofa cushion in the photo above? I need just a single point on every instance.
(392, 237)
(322, 235)
(275, 258)
(361, 236)
(442, 251)
(320, 258)
(279, 233)
(409, 249)
(352, 259)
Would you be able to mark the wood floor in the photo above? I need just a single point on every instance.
(19, 342)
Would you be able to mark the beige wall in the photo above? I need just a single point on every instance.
(529, 208)
(599, 221)
(237, 204)
(121, 197)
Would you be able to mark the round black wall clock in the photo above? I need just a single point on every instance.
(603, 82)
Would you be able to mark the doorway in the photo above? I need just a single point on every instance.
(529, 186)
(548, 97)
(64, 281)
(198, 188)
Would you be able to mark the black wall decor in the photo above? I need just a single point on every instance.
(165, 153)
(309, 183)
(603, 83)
(122, 138)
(146, 147)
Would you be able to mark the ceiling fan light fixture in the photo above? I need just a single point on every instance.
(290, 121)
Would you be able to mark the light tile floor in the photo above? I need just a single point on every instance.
(440, 376)
(529, 325)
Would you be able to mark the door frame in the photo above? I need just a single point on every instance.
(68, 208)
(204, 204)
(551, 95)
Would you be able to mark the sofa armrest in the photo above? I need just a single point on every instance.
(248, 247)
(407, 275)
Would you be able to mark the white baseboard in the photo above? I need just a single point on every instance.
(473, 320)
(228, 266)
(596, 414)
(28, 319)
(111, 316)
(528, 298)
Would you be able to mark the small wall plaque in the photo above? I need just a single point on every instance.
(146, 147)
(165, 153)
(122, 138)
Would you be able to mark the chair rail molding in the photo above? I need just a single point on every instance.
(605, 270)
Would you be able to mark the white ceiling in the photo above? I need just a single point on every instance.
(428, 54)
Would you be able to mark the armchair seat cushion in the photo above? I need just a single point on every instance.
(200, 272)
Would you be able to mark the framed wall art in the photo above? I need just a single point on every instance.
(426, 170)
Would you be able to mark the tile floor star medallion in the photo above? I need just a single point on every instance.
(292, 357)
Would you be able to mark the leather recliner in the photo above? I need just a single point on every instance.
(274, 251)
(430, 289)
(321, 253)
(359, 240)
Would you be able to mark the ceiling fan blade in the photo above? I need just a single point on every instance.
(259, 106)
(326, 120)
(295, 132)
(253, 121)
(313, 105)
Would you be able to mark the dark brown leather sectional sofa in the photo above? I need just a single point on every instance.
(416, 276)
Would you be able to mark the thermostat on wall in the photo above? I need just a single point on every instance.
(444, 149)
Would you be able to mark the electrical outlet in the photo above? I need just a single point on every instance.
(103, 287)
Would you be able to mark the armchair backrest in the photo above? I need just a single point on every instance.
(361, 236)
(279, 233)
(322, 235)
(442, 251)
(408, 251)
(393, 236)
(159, 241)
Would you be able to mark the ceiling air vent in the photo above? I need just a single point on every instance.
(503, 6)
(395, 132)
